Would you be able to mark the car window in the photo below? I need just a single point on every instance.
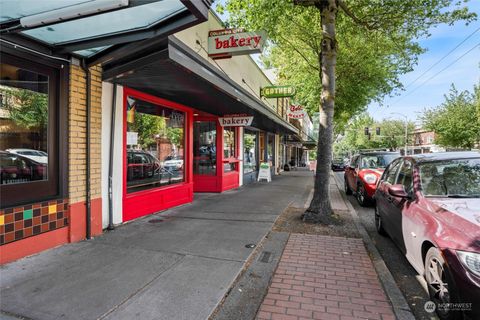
(391, 173)
(405, 176)
(452, 178)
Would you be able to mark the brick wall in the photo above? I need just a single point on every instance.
(78, 132)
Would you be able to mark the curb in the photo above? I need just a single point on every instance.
(399, 303)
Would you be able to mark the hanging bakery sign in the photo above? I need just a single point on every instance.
(296, 112)
(226, 43)
(235, 120)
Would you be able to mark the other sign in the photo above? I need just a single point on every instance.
(296, 112)
(232, 42)
(235, 121)
(277, 91)
(265, 173)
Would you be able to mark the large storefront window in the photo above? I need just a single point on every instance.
(155, 145)
(250, 147)
(28, 149)
(205, 148)
(229, 146)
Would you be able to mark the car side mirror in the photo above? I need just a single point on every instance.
(398, 190)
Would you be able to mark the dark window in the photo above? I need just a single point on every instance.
(155, 145)
(28, 131)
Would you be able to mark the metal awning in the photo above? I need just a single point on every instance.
(94, 28)
(177, 73)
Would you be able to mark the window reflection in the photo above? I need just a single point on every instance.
(205, 148)
(155, 145)
(23, 125)
(229, 149)
(249, 155)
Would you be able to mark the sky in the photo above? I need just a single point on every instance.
(429, 90)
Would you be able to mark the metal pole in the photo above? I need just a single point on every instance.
(406, 135)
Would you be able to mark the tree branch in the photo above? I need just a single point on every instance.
(300, 53)
(349, 13)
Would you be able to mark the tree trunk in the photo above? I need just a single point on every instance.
(320, 204)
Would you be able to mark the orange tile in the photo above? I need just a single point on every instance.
(37, 205)
(9, 237)
(19, 225)
(44, 211)
(27, 232)
(37, 221)
(9, 218)
(44, 227)
(18, 209)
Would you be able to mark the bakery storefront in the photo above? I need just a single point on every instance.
(187, 127)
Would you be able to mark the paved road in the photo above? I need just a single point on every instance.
(409, 282)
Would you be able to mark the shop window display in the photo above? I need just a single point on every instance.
(155, 145)
(229, 146)
(249, 155)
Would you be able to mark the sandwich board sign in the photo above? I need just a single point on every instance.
(265, 172)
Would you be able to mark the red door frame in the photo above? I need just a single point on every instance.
(221, 181)
(141, 203)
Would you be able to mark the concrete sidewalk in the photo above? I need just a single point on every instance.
(177, 264)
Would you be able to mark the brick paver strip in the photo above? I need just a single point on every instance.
(324, 277)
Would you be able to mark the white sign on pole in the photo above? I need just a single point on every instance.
(132, 138)
(235, 121)
(265, 172)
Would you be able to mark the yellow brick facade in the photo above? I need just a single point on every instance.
(77, 117)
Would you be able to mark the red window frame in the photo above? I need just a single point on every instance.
(155, 199)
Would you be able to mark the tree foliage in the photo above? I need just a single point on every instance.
(372, 52)
(28, 109)
(392, 135)
(341, 61)
(456, 122)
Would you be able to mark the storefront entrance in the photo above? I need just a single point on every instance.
(215, 156)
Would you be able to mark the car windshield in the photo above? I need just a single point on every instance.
(377, 161)
(458, 178)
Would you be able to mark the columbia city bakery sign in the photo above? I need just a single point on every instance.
(296, 112)
(226, 43)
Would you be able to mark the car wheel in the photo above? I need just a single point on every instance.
(361, 195)
(379, 223)
(440, 286)
(348, 191)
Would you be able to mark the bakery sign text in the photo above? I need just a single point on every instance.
(226, 43)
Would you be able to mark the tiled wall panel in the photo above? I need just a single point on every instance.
(22, 222)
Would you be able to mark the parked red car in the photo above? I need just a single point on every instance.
(430, 206)
(364, 171)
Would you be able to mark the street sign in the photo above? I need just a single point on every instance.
(277, 91)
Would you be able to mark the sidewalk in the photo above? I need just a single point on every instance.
(325, 277)
(177, 264)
